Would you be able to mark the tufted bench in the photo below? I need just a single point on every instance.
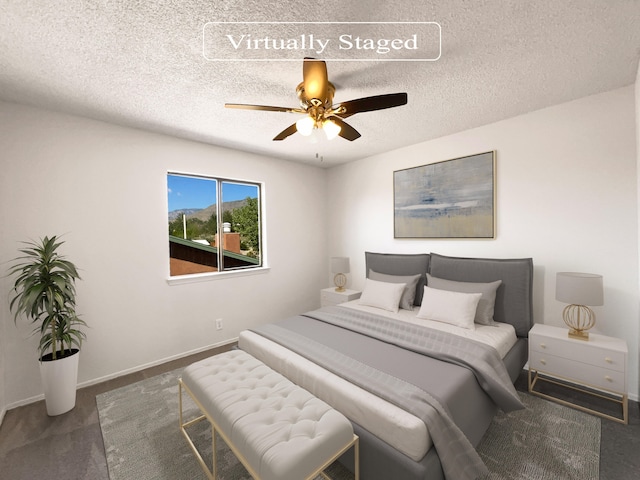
(279, 431)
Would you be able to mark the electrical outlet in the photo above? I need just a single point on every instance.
(218, 324)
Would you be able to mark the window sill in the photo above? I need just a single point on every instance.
(207, 277)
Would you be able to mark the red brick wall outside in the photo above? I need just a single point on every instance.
(184, 267)
(231, 242)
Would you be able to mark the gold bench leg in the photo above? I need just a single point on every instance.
(210, 473)
(357, 459)
(355, 443)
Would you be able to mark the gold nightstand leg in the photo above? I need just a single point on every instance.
(623, 401)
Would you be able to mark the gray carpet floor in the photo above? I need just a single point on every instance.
(33, 445)
(544, 441)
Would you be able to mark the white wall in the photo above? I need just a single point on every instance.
(104, 188)
(637, 92)
(3, 342)
(566, 196)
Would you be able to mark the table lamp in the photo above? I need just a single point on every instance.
(340, 266)
(579, 290)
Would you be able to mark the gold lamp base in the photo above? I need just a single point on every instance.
(340, 280)
(579, 335)
(579, 319)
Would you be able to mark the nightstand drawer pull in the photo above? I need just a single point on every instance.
(543, 361)
(543, 345)
(608, 378)
(608, 359)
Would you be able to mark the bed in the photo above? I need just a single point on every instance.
(419, 392)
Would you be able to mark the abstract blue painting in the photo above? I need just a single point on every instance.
(449, 199)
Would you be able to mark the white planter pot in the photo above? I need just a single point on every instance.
(59, 381)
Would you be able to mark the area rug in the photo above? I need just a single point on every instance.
(545, 441)
(142, 439)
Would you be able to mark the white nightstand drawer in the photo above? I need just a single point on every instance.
(572, 370)
(329, 296)
(578, 350)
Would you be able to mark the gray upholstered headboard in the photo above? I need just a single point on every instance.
(514, 297)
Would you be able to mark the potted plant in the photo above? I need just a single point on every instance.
(44, 292)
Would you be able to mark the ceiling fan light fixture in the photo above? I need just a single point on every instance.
(331, 129)
(315, 93)
(305, 126)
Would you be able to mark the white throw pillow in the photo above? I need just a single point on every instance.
(382, 295)
(411, 282)
(487, 303)
(454, 308)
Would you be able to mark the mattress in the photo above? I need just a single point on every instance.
(400, 429)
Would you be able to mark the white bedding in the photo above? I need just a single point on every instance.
(403, 431)
(502, 336)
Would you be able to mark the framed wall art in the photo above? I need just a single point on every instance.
(449, 199)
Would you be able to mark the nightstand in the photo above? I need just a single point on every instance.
(595, 367)
(329, 296)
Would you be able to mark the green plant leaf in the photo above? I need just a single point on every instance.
(44, 292)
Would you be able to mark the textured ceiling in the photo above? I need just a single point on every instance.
(141, 64)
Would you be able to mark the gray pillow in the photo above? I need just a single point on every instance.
(409, 294)
(486, 305)
(401, 264)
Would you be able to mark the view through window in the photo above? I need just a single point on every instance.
(214, 224)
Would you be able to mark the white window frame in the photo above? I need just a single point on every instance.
(232, 272)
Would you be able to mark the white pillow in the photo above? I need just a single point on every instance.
(487, 303)
(382, 295)
(411, 282)
(454, 308)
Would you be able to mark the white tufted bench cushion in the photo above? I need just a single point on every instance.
(278, 430)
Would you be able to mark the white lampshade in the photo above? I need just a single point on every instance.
(331, 129)
(305, 125)
(339, 264)
(579, 288)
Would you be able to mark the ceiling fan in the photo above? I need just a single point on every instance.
(316, 102)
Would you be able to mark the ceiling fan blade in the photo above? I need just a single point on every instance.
(315, 78)
(264, 107)
(346, 130)
(290, 130)
(369, 104)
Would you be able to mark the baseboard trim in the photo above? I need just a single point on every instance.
(25, 401)
(128, 371)
(121, 373)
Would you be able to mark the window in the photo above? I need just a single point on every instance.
(202, 207)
